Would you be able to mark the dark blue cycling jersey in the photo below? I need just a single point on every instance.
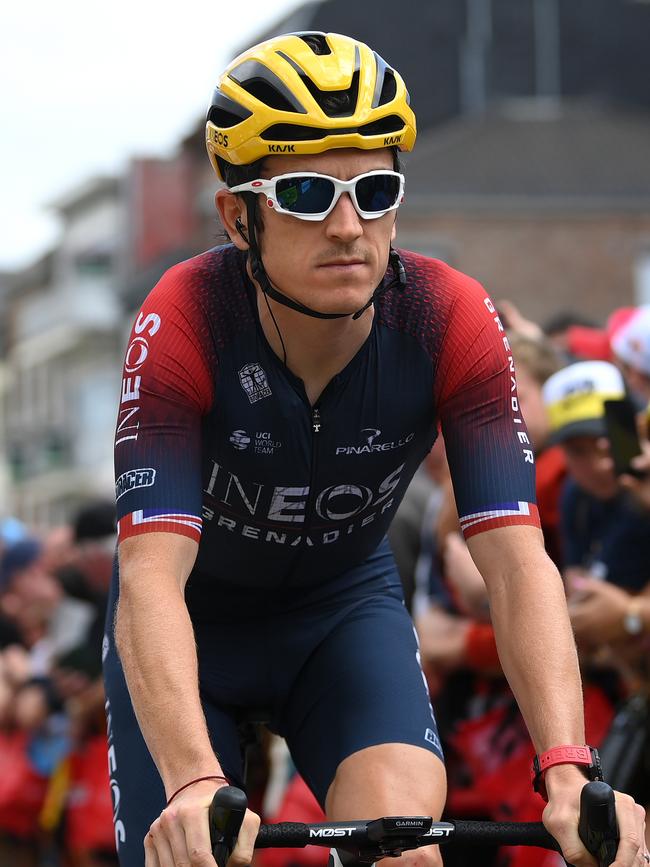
(217, 440)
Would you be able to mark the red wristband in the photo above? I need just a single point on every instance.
(584, 756)
(191, 783)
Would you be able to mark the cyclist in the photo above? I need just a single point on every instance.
(279, 393)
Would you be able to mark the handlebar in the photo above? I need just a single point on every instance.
(368, 841)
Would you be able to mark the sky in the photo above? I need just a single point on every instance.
(84, 86)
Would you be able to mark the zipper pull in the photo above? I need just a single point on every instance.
(315, 419)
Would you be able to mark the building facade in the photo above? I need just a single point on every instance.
(63, 352)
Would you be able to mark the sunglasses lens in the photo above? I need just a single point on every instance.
(377, 192)
(304, 195)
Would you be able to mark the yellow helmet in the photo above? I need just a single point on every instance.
(304, 93)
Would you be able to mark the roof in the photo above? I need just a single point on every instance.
(85, 194)
(35, 275)
(534, 154)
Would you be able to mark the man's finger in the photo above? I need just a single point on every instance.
(631, 821)
(150, 856)
(197, 840)
(172, 822)
(243, 851)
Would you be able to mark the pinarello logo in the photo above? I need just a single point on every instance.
(374, 433)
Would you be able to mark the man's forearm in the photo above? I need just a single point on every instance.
(538, 653)
(156, 643)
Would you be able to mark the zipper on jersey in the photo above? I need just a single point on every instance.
(316, 424)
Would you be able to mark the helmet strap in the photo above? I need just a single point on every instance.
(259, 273)
(241, 230)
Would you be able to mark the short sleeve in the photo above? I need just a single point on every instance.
(489, 451)
(167, 388)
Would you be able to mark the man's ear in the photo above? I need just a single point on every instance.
(231, 209)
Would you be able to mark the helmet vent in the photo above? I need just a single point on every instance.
(339, 104)
(388, 87)
(383, 126)
(265, 86)
(385, 83)
(287, 132)
(317, 42)
(266, 93)
(224, 112)
(223, 119)
(335, 103)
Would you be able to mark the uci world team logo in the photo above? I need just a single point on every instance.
(254, 382)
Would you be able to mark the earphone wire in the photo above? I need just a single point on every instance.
(277, 328)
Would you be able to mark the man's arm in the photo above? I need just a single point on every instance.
(538, 656)
(533, 632)
(155, 640)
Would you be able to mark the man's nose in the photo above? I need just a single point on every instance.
(344, 223)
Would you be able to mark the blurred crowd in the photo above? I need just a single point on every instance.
(584, 390)
(54, 787)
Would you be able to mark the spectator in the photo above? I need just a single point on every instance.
(604, 534)
(559, 325)
(29, 596)
(580, 339)
(631, 348)
(639, 485)
(421, 501)
(11, 531)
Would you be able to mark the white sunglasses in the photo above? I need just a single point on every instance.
(312, 196)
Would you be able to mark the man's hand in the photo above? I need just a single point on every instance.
(597, 611)
(640, 487)
(180, 836)
(564, 784)
(517, 322)
(442, 637)
(464, 578)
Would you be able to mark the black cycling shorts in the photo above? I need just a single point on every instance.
(337, 671)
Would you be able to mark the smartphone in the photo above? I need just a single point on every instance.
(622, 431)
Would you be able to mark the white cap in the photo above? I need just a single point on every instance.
(631, 343)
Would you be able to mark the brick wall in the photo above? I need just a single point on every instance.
(542, 263)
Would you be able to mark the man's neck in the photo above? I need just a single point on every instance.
(316, 349)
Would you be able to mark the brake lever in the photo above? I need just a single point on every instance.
(598, 828)
(226, 815)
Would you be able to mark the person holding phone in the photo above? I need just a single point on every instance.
(605, 535)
